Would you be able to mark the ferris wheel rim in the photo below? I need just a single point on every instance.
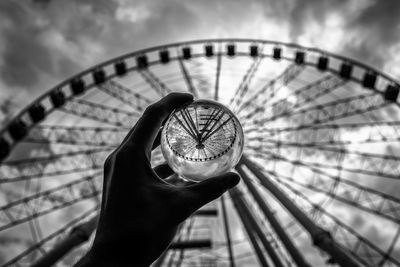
(110, 76)
(366, 68)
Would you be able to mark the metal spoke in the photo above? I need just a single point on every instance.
(155, 83)
(327, 112)
(187, 77)
(243, 87)
(304, 95)
(101, 113)
(385, 166)
(217, 75)
(352, 193)
(262, 96)
(88, 136)
(67, 163)
(333, 134)
(361, 248)
(45, 202)
(136, 101)
(63, 229)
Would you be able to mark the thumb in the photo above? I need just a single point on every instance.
(206, 191)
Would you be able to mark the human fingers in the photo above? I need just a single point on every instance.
(149, 124)
(197, 195)
(157, 140)
(156, 143)
(163, 171)
(177, 181)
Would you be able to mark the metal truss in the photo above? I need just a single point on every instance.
(137, 101)
(57, 198)
(50, 238)
(101, 113)
(360, 247)
(243, 87)
(335, 134)
(155, 83)
(330, 111)
(260, 99)
(80, 136)
(187, 78)
(53, 165)
(304, 95)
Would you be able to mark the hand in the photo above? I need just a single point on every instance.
(140, 211)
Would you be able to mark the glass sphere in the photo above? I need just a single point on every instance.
(202, 140)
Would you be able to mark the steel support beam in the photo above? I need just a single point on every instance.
(276, 225)
(192, 244)
(239, 201)
(206, 213)
(217, 76)
(320, 236)
(257, 249)
(79, 235)
(227, 233)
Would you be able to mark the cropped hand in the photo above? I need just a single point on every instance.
(141, 211)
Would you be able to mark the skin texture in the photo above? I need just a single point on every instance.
(141, 209)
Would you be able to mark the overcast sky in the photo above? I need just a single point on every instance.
(43, 42)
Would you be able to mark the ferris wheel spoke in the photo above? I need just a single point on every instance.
(334, 134)
(187, 77)
(373, 165)
(155, 82)
(243, 87)
(91, 136)
(304, 95)
(100, 113)
(217, 74)
(313, 91)
(314, 148)
(51, 237)
(328, 112)
(368, 140)
(20, 163)
(262, 97)
(334, 110)
(361, 248)
(67, 163)
(134, 100)
(45, 202)
(348, 133)
(352, 194)
(366, 197)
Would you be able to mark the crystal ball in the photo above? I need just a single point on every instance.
(202, 140)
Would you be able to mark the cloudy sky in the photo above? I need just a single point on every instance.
(44, 42)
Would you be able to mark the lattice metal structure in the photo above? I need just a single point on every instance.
(320, 171)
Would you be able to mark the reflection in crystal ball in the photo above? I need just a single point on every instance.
(202, 140)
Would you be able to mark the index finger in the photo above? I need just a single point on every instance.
(149, 124)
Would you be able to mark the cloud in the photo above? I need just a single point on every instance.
(370, 29)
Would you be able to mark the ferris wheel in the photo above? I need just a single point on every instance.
(320, 167)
